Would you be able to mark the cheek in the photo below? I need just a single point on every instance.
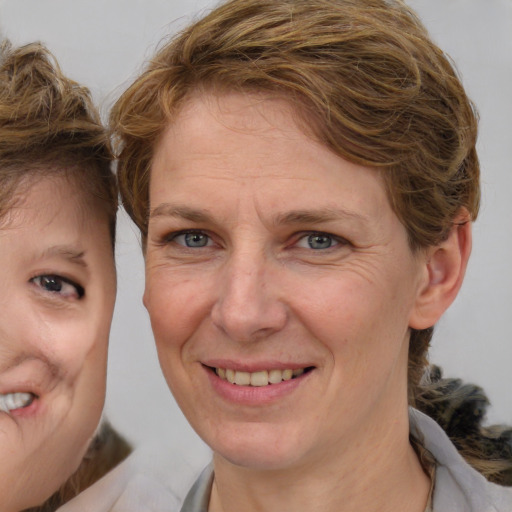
(79, 347)
(177, 305)
(83, 347)
(357, 320)
(338, 305)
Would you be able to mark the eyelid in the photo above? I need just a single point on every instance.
(171, 237)
(80, 291)
(339, 240)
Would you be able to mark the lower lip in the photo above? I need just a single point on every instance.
(28, 411)
(254, 395)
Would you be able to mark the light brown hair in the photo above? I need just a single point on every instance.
(363, 75)
(49, 126)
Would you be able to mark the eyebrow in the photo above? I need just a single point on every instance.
(66, 252)
(317, 216)
(180, 211)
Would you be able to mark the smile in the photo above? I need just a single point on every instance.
(12, 401)
(260, 378)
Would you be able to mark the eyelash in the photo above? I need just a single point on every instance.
(334, 240)
(171, 238)
(58, 280)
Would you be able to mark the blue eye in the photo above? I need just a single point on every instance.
(317, 241)
(58, 285)
(192, 239)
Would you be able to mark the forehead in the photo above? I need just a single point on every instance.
(39, 198)
(214, 133)
(247, 112)
(53, 223)
(250, 148)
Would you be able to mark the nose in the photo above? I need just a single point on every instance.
(20, 339)
(249, 305)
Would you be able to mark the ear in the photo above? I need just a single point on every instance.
(445, 266)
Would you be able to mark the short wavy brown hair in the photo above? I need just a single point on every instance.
(364, 77)
(49, 125)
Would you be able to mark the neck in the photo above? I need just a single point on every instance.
(378, 472)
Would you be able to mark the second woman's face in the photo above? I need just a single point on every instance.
(279, 283)
(56, 301)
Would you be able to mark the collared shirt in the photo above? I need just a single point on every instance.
(198, 497)
(137, 485)
(456, 487)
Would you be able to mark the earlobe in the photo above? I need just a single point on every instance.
(444, 272)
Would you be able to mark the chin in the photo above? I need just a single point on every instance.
(259, 459)
(259, 448)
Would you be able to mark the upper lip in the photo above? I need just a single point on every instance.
(255, 366)
(28, 376)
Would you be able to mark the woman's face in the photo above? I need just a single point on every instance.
(56, 300)
(274, 264)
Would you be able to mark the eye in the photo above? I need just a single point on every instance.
(192, 239)
(317, 241)
(59, 285)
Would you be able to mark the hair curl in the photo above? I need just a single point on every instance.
(459, 408)
(49, 125)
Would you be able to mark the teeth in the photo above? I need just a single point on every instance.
(230, 376)
(257, 379)
(242, 378)
(287, 374)
(13, 401)
(275, 376)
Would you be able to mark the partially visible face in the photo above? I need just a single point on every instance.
(280, 286)
(57, 291)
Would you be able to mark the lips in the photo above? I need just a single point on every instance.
(259, 378)
(12, 401)
(23, 383)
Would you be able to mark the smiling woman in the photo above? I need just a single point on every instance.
(278, 287)
(305, 178)
(57, 225)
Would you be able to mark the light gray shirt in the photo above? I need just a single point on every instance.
(140, 485)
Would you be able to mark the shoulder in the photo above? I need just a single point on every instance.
(153, 479)
(458, 487)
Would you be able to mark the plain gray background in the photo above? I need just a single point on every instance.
(104, 43)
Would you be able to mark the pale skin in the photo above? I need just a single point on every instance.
(57, 296)
(266, 252)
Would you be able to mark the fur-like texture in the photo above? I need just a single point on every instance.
(459, 408)
(107, 450)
